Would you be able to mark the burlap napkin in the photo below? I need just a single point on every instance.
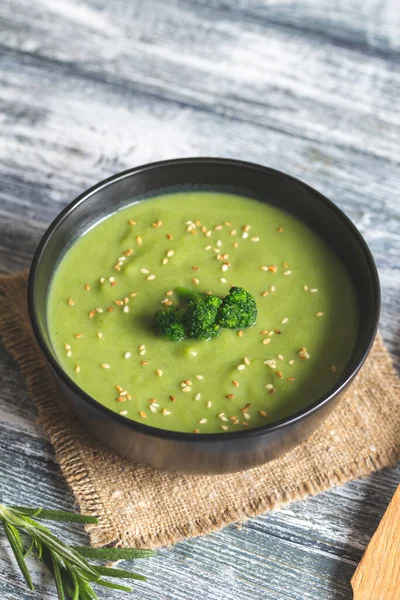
(139, 506)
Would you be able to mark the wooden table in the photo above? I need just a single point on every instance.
(92, 87)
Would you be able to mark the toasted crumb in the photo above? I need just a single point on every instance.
(262, 413)
(142, 414)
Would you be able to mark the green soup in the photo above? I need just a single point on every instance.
(113, 279)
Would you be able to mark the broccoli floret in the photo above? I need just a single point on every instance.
(169, 322)
(238, 309)
(203, 315)
(200, 317)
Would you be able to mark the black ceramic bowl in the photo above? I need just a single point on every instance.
(206, 453)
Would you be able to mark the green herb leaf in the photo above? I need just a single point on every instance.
(113, 553)
(17, 548)
(57, 575)
(114, 586)
(120, 573)
(53, 515)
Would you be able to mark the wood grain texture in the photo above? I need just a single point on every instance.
(88, 88)
(378, 575)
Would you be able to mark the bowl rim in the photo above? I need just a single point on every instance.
(182, 436)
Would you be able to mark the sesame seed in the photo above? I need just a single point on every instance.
(121, 398)
(78, 335)
(278, 331)
(119, 388)
(207, 247)
(223, 280)
(69, 353)
(144, 362)
(218, 227)
(133, 294)
(117, 267)
(110, 309)
(245, 235)
(126, 308)
(102, 279)
(241, 333)
(290, 378)
(123, 412)
(169, 293)
(280, 356)
(99, 310)
(287, 272)
(195, 280)
(129, 397)
(169, 236)
(77, 368)
(255, 239)
(313, 290)
(224, 267)
(87, 287)
(265, 293)
(221, 415)
(71, 302)
(272, 269)
(105, 365)
(150, 277)
(271, 363)
(197, 397)
(142, 414)
(266, 341)
(142, 347)
(246, 227)
(187, 388)
(219, 243)
(142, 352)
(188, 382)
(131, 222)
(230, 396)
(269, 386)
(241, 367)
(272, 288)
(67, 346)
(121, 258)
(246, 415)
(144, 271)
(279, 374)
(280, 229)
(159, 372)
(235, 244)
(235, 383)
(153, 408)
(99, 335)
(224, 427)
(209, 404)
(262, 413)
(284, 320)
(303, 354)
(246, 360)
(164, 261)
(202, 421)
(196, 431)
(139, 239)
(172, 398)
(319, 314)
(127, 354)
(208, 234)
(118, 302)
(232, 232)
(264, 268)
(170, 253)
(333, 369)
(305, 288)
(199, 377)
(271, 333)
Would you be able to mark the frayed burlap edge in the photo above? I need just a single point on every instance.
(66, 435)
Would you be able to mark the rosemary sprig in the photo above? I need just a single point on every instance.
(72, 573)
